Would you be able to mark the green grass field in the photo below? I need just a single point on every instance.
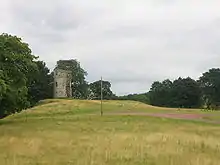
(71, 132)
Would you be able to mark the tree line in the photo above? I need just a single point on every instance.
(188, 93)
(184, 92)
(25, 80)
(142, 97)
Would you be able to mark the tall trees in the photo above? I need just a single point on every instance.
(16, 65)
(79, 84)
(95, 90)
(210, 85)
(160, 93)
(3, 85)
(23, 80)
(185, 93)
(40, 86)
(179, 93)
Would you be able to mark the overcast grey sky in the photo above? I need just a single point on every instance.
(130, 42)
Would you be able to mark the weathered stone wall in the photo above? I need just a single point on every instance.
(62, 83)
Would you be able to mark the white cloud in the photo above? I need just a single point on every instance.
(131, 43)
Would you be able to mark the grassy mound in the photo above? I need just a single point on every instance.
(62, 132)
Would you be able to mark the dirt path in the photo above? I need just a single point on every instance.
(186, 116)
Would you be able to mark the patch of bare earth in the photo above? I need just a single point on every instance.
(196, 117)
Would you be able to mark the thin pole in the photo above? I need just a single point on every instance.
(101, 98)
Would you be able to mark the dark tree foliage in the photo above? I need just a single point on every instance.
(16, 65)
(210, 85)
(95, 90)
(186, 93)
(143, 97)
(179, 93)
(40, 86)
(79, 84)
(160, 93)
(23, 80)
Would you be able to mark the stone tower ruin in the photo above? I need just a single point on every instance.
(62, 83)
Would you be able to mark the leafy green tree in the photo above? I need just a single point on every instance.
(210, 85)
(160, 93)
(186, 93)
(95, 89)
(16, 65)
(79, 84)
(40, 86)
(179, 93)
(3, 85)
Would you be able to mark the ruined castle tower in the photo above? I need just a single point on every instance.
(62, 83)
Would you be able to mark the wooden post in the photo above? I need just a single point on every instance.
(101, 98)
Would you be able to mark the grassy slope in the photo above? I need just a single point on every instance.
(64, 132)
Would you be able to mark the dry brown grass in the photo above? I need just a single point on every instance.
(64, 132)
